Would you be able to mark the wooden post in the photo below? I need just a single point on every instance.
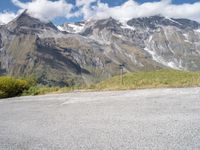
(121, 67)
(122, 81)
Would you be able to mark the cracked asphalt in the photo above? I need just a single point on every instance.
(152, 119)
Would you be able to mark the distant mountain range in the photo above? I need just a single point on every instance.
(91, 51)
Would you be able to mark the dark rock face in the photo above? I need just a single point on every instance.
(94, 50)
(155, 21)
(110, 24)
(185, 23)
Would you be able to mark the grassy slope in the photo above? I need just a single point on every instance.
(154, 79)
(137, 80)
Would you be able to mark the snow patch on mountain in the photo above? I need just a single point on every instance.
(77, 28)
(172, 20)
(126, 26)
(72, 27)
(198, 30)
(187, 38)
(60, 28)
(162, 61)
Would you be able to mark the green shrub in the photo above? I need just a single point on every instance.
(32, 81)
(10, 87)
(40, 90)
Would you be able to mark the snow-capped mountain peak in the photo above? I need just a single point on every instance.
(72, 27)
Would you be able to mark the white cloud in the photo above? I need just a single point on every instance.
(85, 8)
(131, 9)
(46, 10)
(6, 17)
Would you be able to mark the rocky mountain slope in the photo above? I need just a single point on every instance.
(170, 42)
(91, 51)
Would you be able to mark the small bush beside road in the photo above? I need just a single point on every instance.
(11, 87)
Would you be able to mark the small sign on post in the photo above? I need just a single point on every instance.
(121, 67)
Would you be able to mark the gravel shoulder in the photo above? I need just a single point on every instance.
(115, 120)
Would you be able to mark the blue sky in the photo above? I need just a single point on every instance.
(8, 6)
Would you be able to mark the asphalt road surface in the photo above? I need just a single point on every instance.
(160, 119)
